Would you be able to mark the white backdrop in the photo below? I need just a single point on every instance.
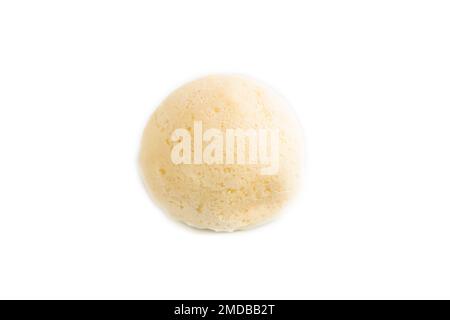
(370, 81)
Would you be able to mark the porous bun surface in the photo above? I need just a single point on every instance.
(225, 196)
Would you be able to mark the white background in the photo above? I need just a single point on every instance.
(370, 81)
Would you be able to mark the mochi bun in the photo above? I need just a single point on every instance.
(223, 152)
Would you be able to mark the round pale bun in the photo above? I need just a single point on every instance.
(223, 196)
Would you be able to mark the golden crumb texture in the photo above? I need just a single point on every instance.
(221, 196)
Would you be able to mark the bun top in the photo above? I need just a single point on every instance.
(222, 152)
